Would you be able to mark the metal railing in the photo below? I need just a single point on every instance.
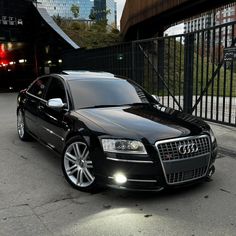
(188, 71)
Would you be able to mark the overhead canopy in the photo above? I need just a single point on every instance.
(146, 18)
(51, 23)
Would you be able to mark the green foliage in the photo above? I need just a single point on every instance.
(90, 35)
(75, 9)
(92, 15)
(57, 18)
(102, 14)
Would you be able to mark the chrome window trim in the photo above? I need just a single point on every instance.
(181, 139)
(45, 101)
(64, 85)
(30, 94)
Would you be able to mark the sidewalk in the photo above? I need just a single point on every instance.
(226, 138)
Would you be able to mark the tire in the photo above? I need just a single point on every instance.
(21, 130)
(78, 167)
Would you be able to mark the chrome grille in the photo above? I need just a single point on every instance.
(186, 175)
(180, 168)
(169, 151)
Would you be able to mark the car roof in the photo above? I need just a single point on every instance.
(87, 75)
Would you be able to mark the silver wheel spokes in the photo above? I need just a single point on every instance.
(78, 165)
(20, 124)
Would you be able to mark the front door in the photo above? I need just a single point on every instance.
(53, 128)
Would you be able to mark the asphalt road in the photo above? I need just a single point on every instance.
(36, 200)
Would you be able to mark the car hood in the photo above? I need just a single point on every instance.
(144, 122)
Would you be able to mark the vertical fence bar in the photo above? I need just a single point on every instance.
(161, 58)
(202, 69)
(225, 70)
(180, 67)
(231, 81)
(207, 71)
(197, 71)
(157, 74)
(213, 69)
(133, 61)
(218, 76)
(153, 63)
(188, 72)
(174, 71)
(168, 71)
(149, 67)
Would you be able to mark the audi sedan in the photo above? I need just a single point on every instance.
(110, 132)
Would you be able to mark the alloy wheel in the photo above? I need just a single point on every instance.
(78, 165)
(20, 124)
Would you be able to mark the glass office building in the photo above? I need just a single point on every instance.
(63, 7)
(111, 5)
(102, 6)
(85, 8)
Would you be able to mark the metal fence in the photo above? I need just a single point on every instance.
(189, 72)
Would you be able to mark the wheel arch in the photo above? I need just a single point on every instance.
(77, 135)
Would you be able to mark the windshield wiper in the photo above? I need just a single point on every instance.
(121, 105)
(101, 106)
(137, 104)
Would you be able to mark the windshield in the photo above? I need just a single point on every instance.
(95, 93)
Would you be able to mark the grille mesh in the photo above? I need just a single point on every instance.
(186, 175)
(169, 151)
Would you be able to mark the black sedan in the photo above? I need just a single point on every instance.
(111, 132)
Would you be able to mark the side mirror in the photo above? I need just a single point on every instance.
(156, 98)
(55, 103)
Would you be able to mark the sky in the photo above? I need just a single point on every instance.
(177, 29)
(120, 7)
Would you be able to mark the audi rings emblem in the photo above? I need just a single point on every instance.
(188, 148)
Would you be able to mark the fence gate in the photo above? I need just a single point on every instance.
(192, 72)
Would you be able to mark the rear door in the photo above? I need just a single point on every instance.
(35, 95)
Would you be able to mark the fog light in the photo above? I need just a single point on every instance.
(120, 178)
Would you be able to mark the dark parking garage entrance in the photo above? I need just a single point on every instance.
(31, 44)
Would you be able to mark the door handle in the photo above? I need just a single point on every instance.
(40, 107)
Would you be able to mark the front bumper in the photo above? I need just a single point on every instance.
(144, 172)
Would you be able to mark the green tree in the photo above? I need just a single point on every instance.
(75, 9)
(92, 15)
(58, 19)
(88, 36)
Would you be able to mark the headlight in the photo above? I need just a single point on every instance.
(213, 138)
(123, 146)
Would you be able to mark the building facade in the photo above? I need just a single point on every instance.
(63, 7)
(31, 44)
(223, 16)
(218, 16)
(106, 10)
(212, 18)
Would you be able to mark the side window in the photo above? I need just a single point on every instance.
(56, 89)
(38, 88)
